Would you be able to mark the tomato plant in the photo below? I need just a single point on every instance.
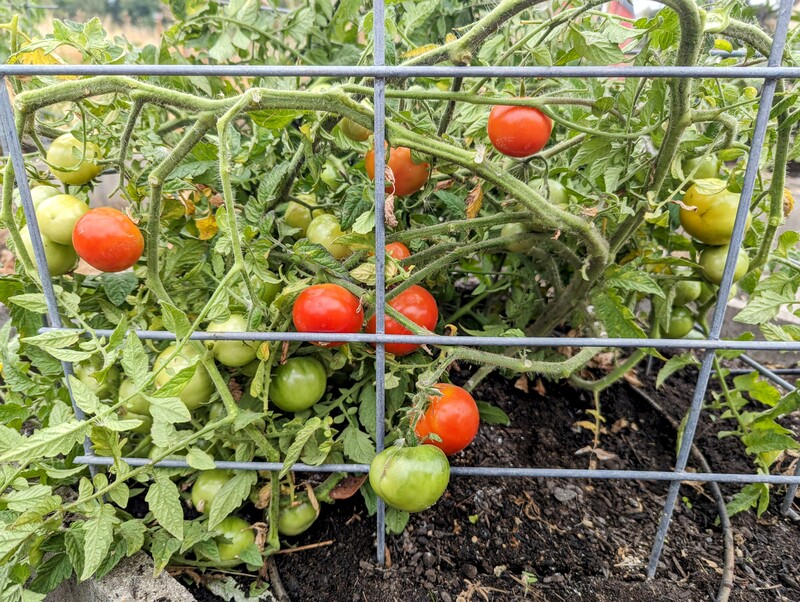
(452, 416)
(410, 478)
(518, 131)
(232, 353)
(236, 535)
(206, 487)
(680, 323)
(416, 304)
(712, 260)
(297, 516)
(198, 389)
(298, 384)
(408, 175)
(107, 239)
(57, 216)
(72, 161)
(327, 308)
(710, 212)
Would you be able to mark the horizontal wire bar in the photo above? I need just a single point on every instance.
(482, 471)
(160, 335)
(389, 71)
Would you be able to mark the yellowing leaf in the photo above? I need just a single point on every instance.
(37, 56)
(206, 227)
(418, 51)
(474, 201)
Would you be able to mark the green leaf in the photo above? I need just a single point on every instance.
(616, 316)
(118, 286)
(634, 280)
(763, 307)
(749, 497)
(200, 460)
(300, 440)
(98, 536)
(251, 555)
(53, 339)
(120, 494)
(175, 320)
(275, 119)
(70, 355)
(48, 442)
(21, 500)
(396, 520)
(176, 384)
(757, 442)
(319, 255)
(231, 496)
(673, 364)
(134, 360)
(84, 397)
(11, 539)
(162, 548)
(164, 502)
(34, 302)
(168, 409)
(491, 414)
(73, 544)
(132, 531)
(51, 573)
(357, 445)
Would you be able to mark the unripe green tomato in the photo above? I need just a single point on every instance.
(298, 384)
(58, 215)
(296, 518)
(60, 258)
(138, 404)
(70, 163)
(144, 427)
(199, 388)
(233, 354)
(206, 488)
(680, 323)
(40, 193)
(250, 369)
(298, 215)
(511, 230)
(410, 478)
(330, 175)
(558, 193)
(354, 131)
(712, 259)
(85, 372)
(712, 221)
(267, 291)
(707, 167)
(237, 535)
(686, 291)
(324, 230)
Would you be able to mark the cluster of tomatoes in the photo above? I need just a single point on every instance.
(104, 237)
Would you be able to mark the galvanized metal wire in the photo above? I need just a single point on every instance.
(380, 72)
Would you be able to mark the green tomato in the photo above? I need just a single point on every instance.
(324, 230)
(295, 518)
(40, 193)
(711, 212)
(298, 384)
(354, 131)
(680, 323)
(146, 421)
(267, 291)
(58, 215)
(85, 372)
(138, 404)
(511, 230)
(712, 260)
(206, 488)
(410, 478)
(60, 258)
(686, 291)
(299, 216)
(706, 293)
(233, 354)
(704, 168)
(558, 193)
(70, 163)
(330, 175)
(236, 536)
(199, 388)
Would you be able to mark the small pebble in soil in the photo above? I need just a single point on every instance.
(428, 559)
(445, 597)
(470, 571)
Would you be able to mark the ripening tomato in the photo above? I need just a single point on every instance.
(199, 388)
(408, 175)
(398, 251)
(327, 308)
(324, 230)
(108, 240)
(354, 131)
(58, 215)
(298, 384)
(680, 323)
(712, 259)
(237, 535)
(712, 221)
(410, 478)
(453, 416)
(518, 131)
(233, 354)
(60, 258)
(416, 304)
(206, 488)
(72, 162)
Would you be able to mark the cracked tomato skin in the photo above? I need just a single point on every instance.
(410, 478)
(518, 131)
(108, 240)
(712, 220)
(453, 416)
(409, 177)
(416, 304)
(327, 308)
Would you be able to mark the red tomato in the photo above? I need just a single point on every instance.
(398, 251)
(453, 417)
(108, 240)
(408, 176)
(327, 308)
(518, 131)
(416, 304)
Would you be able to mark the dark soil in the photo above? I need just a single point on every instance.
(557, 539)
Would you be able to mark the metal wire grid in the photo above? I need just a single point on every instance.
(379, 71)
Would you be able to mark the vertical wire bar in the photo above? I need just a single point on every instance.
(379, 86)
(751, 172)
(10, 139)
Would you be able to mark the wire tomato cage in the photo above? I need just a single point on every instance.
(380, 72)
